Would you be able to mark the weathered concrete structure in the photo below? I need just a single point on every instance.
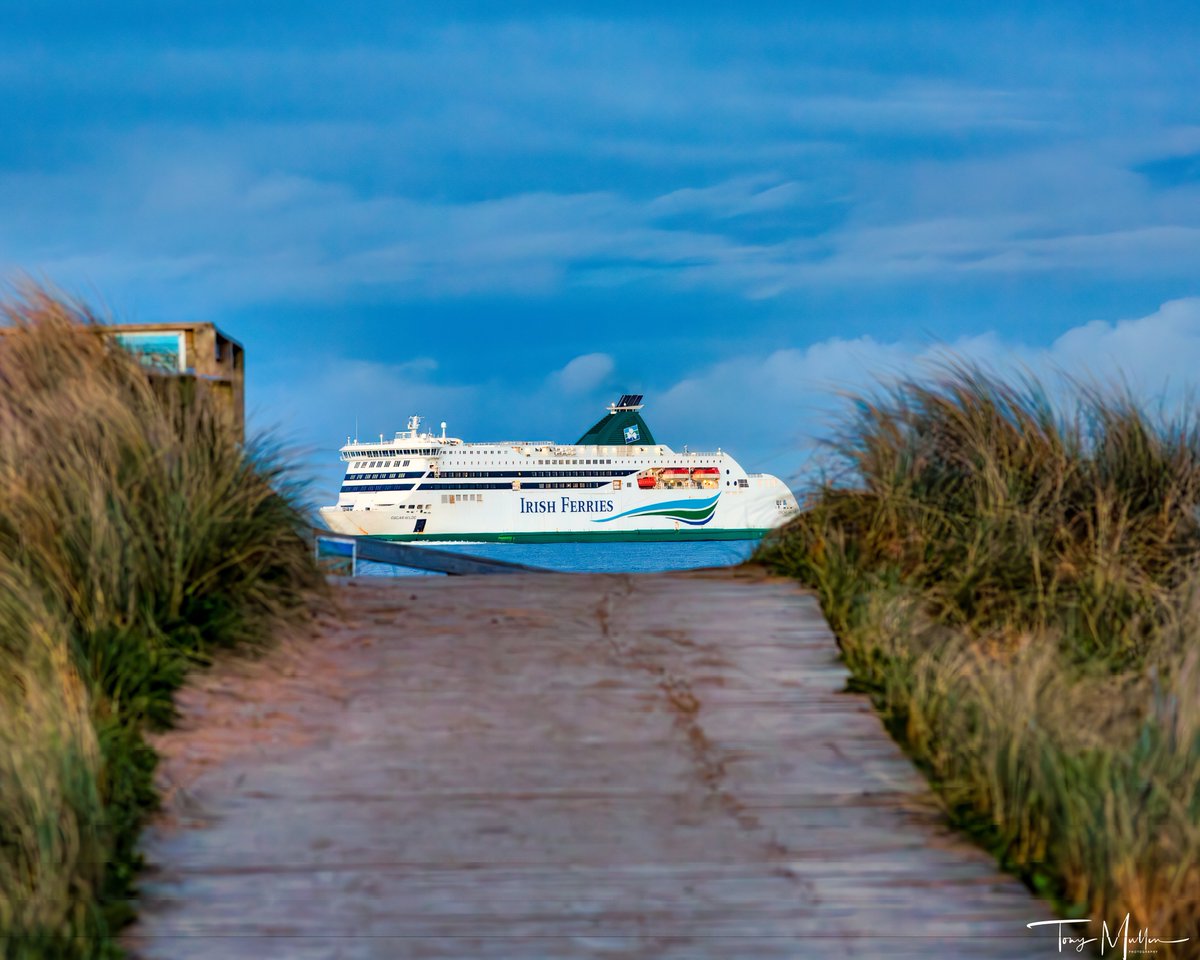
(191, 348)
(188, 348)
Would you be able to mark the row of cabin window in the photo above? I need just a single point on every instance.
(470, 474)
(526, 485)
(432, 452)
(382, 476)
(517, 474)
(377, 464)
(510, 474)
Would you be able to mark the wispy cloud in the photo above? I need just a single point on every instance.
(782, 404)
(772, 410)
(533, 157)
(584, 374)
(748, 210)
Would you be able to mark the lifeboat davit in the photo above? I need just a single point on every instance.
(647, 483)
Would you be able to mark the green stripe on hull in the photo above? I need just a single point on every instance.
(583, 536)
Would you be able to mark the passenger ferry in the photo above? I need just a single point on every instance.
(615, 483)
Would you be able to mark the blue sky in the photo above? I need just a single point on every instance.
(503, 215)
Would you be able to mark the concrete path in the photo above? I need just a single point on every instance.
(558, 766)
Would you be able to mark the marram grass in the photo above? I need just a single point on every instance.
(137, 536)
(1019, 590)
(51, 814)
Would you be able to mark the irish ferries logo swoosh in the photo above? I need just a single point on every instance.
(696, 512)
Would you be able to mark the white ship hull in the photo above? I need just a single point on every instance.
(421, 487)
(736, 514)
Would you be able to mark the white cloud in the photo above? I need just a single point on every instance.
(263, 209)
(346, 180)
(1160, 352)
(449, 157)
(770, 410)
(315, 408)
(583, 374)
(322, 401)
(730, 198)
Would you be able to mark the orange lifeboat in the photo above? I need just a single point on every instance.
(676, 471)
(647, 483)
(707, 472)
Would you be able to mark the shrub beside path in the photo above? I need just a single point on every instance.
(558, 766)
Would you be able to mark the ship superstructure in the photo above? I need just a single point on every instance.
(615, 483)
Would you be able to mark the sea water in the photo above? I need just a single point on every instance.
(593, 557)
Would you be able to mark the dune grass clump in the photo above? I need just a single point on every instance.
(137, 536)
(1019, 590)
(51, 814)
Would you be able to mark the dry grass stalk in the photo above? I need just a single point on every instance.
(137, 535)
(1018, 590)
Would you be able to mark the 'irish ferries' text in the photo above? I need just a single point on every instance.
(567, 504)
